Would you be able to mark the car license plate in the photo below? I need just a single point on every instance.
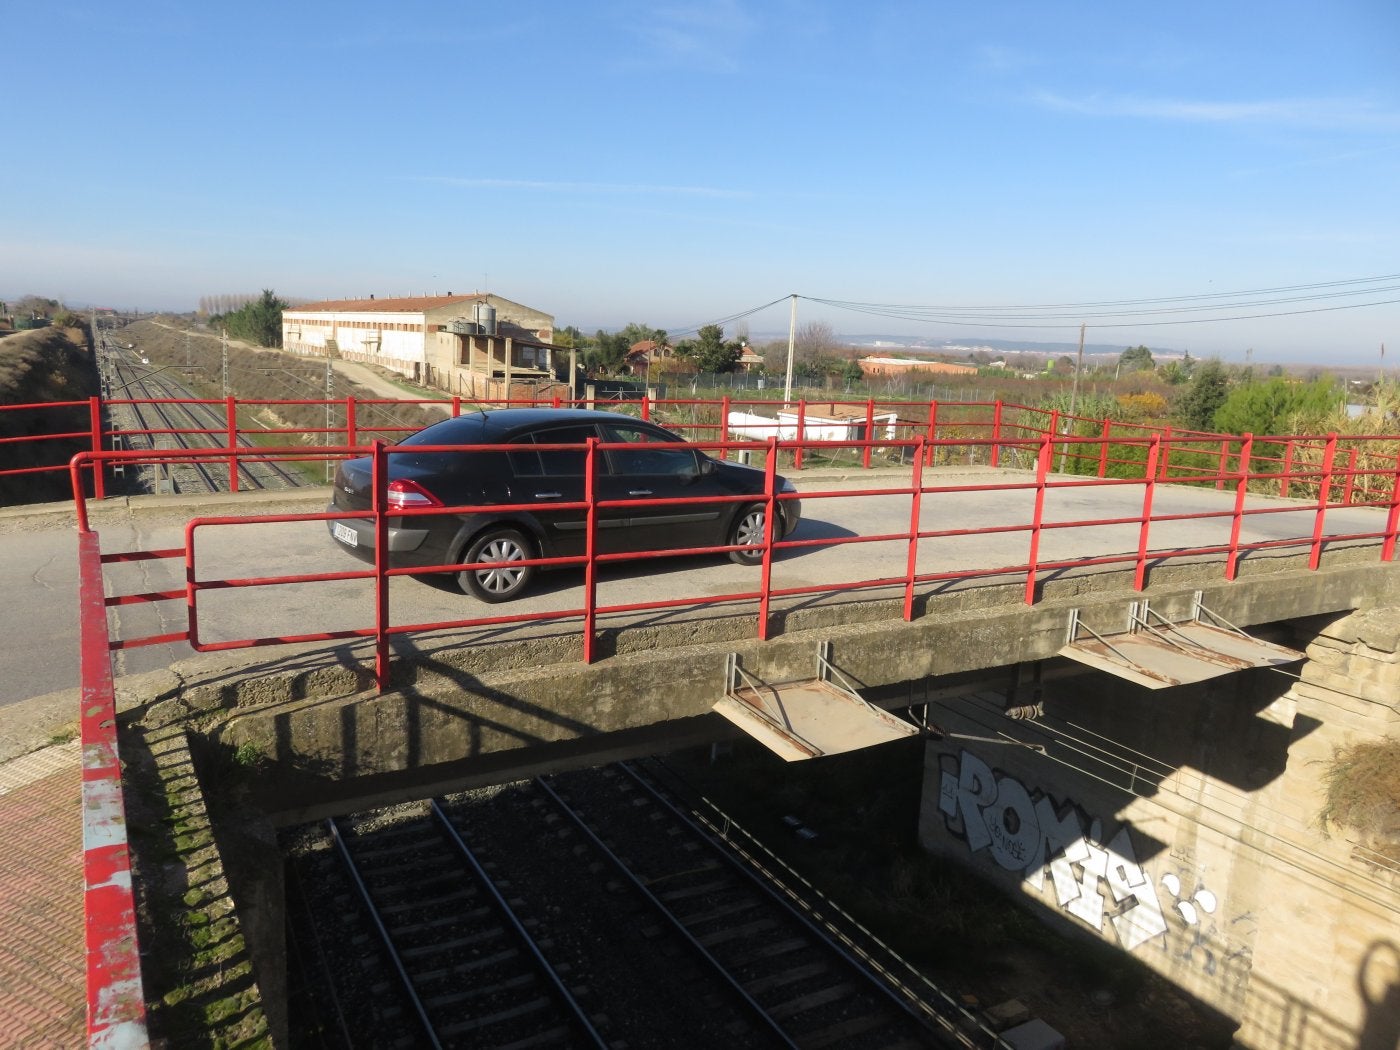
(345, 534)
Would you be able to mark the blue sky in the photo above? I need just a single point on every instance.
(678, 163)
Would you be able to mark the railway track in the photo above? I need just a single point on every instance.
(588, 909)
(159, 412)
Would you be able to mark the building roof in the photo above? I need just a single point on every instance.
(920, 363)
(404, 305)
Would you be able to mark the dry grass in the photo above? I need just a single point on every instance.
(36, 368)
(1363, 794)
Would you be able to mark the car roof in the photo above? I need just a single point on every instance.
(503, 422)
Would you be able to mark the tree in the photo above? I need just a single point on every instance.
(1277, 407)
(813, 342)
(710, 352)
(609, 351)
(1196, 406)
(569, 338)
(636, 333)
(257, 320)
(1135, 359)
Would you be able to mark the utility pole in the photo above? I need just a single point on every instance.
(1078, 364)
(792, 343)
(1073, 396)
(224, 369)
(330, 393)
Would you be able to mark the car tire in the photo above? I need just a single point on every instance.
(747, 533)
(498, 584)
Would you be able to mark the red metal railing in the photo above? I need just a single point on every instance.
(980, 431)
(116, 1011)
(1042, 485)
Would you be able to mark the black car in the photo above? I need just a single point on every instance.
(539, 478)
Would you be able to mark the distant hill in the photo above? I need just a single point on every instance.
(915, 344)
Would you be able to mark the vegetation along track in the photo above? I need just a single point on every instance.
(489, 918)
(156, 411)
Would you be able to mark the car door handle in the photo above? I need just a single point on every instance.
(548, 495)
(639, 492)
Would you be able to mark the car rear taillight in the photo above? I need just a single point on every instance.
(408, 495)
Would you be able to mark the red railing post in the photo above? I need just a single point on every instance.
(1149, 483)
(915, 516)
(352, 423)
(456, 405)
(231, 408)
(75, 478)
(995, 457)
(1053, 431)
(1164, 453)
(1349, 489)
(932, 444)
(379, 500)
(801, 436)
(770, 485)
(1286, 477)
(646, 405)
(869, 432)
(99, 483)
(1232, 560)
(724, 425)
(1042, 474)
(1392, 520)
(590, 551)
(1324, 493)
(1105, 436)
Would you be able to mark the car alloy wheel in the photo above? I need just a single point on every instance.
(502, 582)
(748, 533)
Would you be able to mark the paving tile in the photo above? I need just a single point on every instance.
(43, 999)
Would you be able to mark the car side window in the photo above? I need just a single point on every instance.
(654, 460)
(568, 462)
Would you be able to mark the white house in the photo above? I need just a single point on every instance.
(478, 345)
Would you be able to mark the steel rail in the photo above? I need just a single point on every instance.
(786, 898)
(385, 939)
(677, 926)
(506, 912)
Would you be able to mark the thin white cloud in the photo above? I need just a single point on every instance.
(999, 58)
(590, 188)
(1338, 113)
(693, 35)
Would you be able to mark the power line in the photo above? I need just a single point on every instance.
(690, 329)
(1095, 320)
(1140, 302)
(1151, 311)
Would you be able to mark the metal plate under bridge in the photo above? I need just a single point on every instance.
(807, 718)
(1156, 653)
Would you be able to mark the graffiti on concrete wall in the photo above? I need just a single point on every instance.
(1028, 833)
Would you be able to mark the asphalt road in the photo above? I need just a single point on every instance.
(38, 564)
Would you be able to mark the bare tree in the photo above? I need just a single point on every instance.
(816, 341)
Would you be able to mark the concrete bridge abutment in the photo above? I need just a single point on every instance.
(1184, 826)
